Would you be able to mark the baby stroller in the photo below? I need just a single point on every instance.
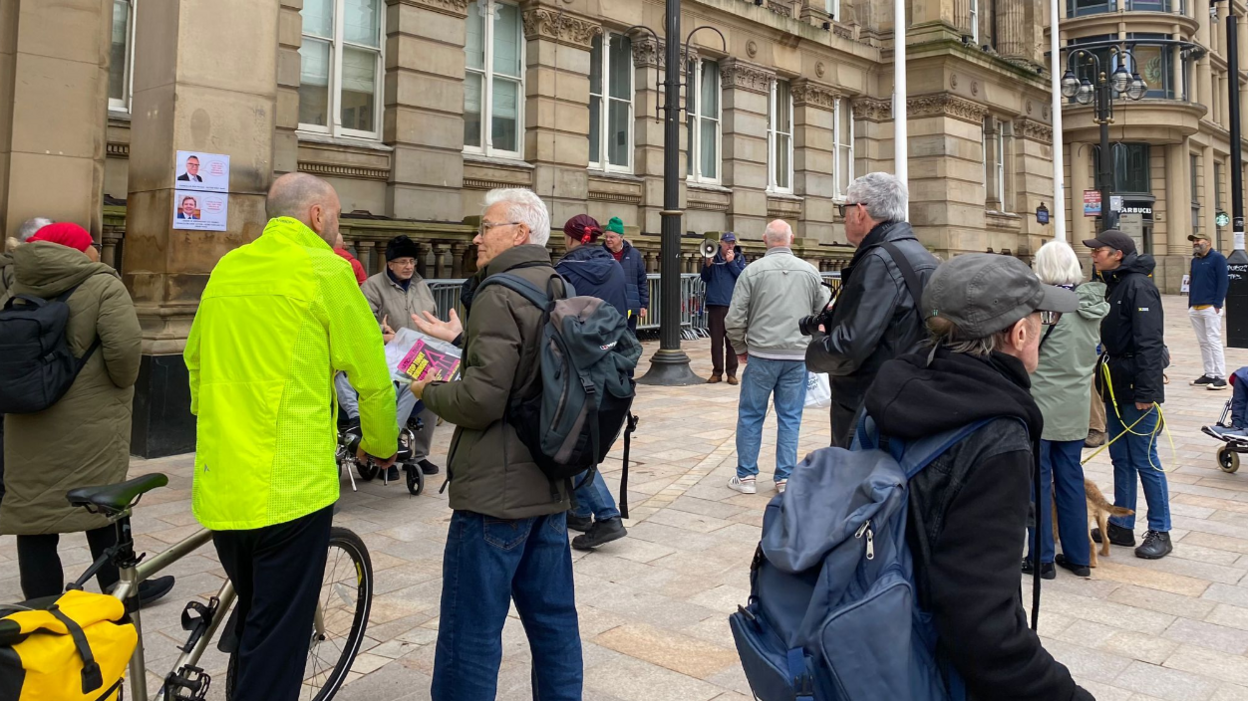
(1232, 426)
(349, 436)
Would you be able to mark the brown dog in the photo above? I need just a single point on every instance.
(1099, 510)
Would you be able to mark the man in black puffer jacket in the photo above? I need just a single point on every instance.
(876, 314)
(967, 511)
(1135, 353)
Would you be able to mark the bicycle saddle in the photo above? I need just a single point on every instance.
(115, 498)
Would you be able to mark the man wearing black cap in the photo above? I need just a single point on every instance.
(968, 508)
(1129, 379)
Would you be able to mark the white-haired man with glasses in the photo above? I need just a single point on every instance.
(876, 315)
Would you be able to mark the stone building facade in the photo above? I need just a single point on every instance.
(414, 108)
(1171, 150)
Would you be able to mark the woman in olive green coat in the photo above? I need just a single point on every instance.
(84, 439)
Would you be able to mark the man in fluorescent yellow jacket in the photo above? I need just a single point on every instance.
(278, 318)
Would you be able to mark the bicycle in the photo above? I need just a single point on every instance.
(341, 605)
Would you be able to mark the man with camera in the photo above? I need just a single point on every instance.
(773, 294)
(876, 316)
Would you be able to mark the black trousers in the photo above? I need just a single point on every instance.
(39, 564)
(719, 341)
(844, 421)
(277, 572)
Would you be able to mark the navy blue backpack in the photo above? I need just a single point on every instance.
(833, 613)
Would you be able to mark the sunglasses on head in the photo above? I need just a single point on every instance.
(1050, 318)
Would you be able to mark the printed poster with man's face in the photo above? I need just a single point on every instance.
(201, 197)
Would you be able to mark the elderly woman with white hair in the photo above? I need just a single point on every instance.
(1061, 390)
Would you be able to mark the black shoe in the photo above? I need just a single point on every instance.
(1046, 569)
(579, 524)
(1156, 546)
(1218, 383)
(1202, 380)
(153, 590)
(392, 475)
(428, 468)
(601, 533)
(1117, 536)
(1078, 570)
(1095, 439)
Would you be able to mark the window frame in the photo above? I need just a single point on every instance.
(833, 9)
(695, 116)
(840, 141)
(122, 104)
(486, 72)
(773, 132)
(604, 114)
(337, 47)
(975, 22)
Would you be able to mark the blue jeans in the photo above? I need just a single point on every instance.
(1131, 455)
(763, 377)
(593, 498)
(405, 401)
(489, 562)
(1061, 477)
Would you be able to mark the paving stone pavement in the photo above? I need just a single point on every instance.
(654, 606)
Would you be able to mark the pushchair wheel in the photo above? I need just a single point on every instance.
(367, 470)
(1228, 459)
(415, 479)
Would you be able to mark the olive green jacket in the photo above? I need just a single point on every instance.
(1062, 383)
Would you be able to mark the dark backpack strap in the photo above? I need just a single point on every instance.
(92, 677)
(1047, 334)
(907, 273)
(630, 426)
(517, 284)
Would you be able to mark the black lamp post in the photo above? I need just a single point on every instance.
(1106, 88)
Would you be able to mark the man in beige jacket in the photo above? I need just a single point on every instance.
(396, 294)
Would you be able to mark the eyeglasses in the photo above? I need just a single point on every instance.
(1050, 318)
(486, 226)
(842, 208)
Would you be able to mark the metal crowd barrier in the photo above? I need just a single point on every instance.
(446, 296)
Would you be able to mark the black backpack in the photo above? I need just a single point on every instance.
(36, 366)
(584, 394)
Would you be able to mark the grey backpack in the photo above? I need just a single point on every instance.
(584, 395)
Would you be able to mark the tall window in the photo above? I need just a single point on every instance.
(340, 67)
(1194, 166)
(993, 153)
(611, 112)
(844, 138)
(1085, 68)
(975, 21)
(120, 54)
(780, 137)
(1130, 167)
(1155, 64)
(1079, 8)
(833, 8)
(494, 81)
(703, 121)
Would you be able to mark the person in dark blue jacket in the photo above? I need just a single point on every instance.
(637, 284)
(1205, 297)
(720, 274)
(594, 273)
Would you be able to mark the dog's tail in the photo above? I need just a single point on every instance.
(1095, 496)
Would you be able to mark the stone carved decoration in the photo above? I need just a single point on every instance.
(953, 81)
(344, 171)
(648, 54)
(944, 104)
(872, 109)
(454, 8)
(1031, 129)
(746, 76)
(974, 87)
(820, 69)
(843, 32)
(751, 48)
(560, 27)
(806, 93)
(780, 8)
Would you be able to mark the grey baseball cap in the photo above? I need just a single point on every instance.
(983, 293)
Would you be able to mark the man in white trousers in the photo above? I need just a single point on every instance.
(1206, 297)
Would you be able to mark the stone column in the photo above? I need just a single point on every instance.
(1178, 200)
(814, 156)
(205, 79)
(946, 201)
(1079, 160)
(557, 107)
(54, 79)
(1209, 204)
(648, 128)
(1015, 28)
(873, 134)
(424, 107)
(746, 96)
(1033, 181)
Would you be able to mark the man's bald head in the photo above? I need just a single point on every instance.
(307, 198)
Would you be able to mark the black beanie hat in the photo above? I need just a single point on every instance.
(401, 247)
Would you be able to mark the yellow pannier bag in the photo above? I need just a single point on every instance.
(75, 649)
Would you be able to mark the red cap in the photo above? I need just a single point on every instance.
(65, 233)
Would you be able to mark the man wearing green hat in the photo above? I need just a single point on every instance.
(638, 286)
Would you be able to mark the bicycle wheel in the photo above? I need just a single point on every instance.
(345, 600)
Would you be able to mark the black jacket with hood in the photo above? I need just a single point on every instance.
(595, 273)
(1132, 333)
(968, 515)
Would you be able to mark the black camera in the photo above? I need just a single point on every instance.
(809, 325)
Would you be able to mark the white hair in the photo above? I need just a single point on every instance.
(31, 226)
(884, 195)
(523, 207)
(1057, 264)
(778, 232)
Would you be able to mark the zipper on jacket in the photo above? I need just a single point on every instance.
(865, 528)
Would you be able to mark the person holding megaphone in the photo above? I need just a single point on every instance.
(720, 272)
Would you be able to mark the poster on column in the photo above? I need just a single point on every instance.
(206, 172)
(200, 211)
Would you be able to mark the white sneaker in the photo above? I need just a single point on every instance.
(781, 485)
(745, 485)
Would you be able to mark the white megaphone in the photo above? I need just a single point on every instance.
(709, 248)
